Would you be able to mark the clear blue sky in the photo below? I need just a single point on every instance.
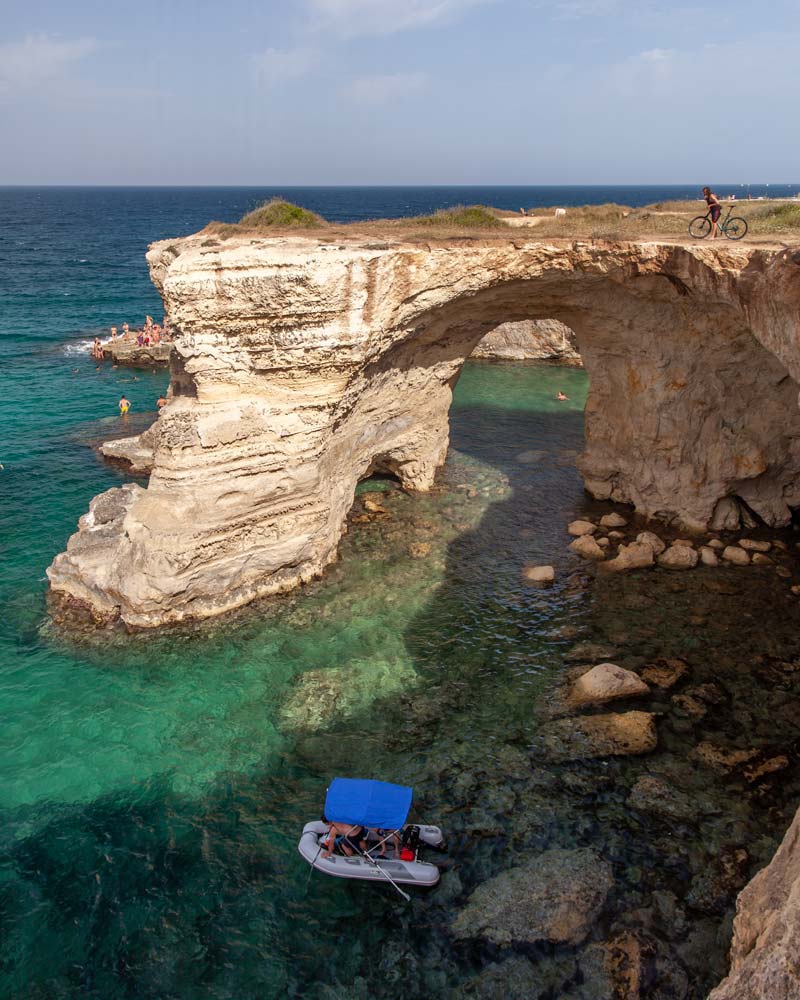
(398, 91)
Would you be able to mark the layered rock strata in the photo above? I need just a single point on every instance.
(530, 340)
(302, 366)
(128, 352)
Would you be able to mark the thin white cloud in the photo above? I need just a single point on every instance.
(349, 18)
(389, 87)
(273, 67)
(39, 59)
(657, 55)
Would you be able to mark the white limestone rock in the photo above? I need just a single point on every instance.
(613, 520)
(541, 575)
(581, 527)
(651, 538)
(606, 682)
(735, 555)
(587, 548)
(634, 556)
(708, 556)
(678, 557)
(754, 545)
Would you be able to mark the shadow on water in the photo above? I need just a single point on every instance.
(150, 893)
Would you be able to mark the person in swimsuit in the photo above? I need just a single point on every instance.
(124, 406)
(716, 210)
(560, 396)
(161, 402)
(347, 837)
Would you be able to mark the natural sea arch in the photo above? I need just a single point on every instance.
(302, 366)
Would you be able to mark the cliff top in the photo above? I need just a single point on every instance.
(775, 223)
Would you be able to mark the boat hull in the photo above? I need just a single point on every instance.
(420, 873)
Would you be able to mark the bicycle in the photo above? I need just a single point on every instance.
(733, 228)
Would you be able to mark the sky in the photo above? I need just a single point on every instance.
(267, 92)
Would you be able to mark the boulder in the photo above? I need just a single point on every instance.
(708, 556)
(665, 673)
(612, 735)
(735, 555)
(613, 520)
(616, 535)
(606, 682)
(633, 556)
(651, 538)
(715, 543)
(541, 575)
(604, 542)
(754, 545)
(587, 548)
(556, 896)
(581, 527)
(783, 572)
(678, 557)
(759, 559)
(683, 541)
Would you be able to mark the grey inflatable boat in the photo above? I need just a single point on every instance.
(372, 867)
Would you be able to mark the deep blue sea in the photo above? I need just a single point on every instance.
(152, 787)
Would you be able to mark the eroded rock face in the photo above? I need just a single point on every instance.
(301, 366)
(530, 340)
(765, 954)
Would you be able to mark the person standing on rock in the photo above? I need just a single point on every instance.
(716, 210)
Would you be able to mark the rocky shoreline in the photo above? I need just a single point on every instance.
(128, 352)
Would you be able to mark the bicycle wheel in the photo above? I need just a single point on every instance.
(735, 229)
(700, 227)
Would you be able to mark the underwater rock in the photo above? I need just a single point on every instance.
(580, 527)
(654, 795)
(765, 952)
(759, 559)
(713, 888)
(542, 575)
(587, 548)
(584, 652)
(735, 555)
(606, 682)
(634, 556)
(651, 538)
(708, 557)
(723, 760)
(555, 897)
(514, 979)
(678, 557)
(611, 735)
(754, 545)
(665, 673)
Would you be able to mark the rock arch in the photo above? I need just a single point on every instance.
(305, 364)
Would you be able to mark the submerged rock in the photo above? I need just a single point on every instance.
(633, 556)
(678, 557)
(606, 682)
(541, 575)
(651, 538)
(588, 548)
(555, 897)
(665, 673)
(611, 735)
(581, 527)
(584, 652)
(735, 555)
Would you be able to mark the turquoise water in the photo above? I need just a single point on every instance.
(154, 785)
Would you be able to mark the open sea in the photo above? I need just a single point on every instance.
(153, 786)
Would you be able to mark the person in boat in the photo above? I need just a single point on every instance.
(560, 396)
(124, 406)
(345, 837)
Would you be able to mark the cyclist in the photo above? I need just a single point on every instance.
(715, 208)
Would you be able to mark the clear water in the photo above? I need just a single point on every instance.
(153, 786)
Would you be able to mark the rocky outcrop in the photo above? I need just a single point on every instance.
(128, 352)
(302, 366)
(530, 340)
(765, 954)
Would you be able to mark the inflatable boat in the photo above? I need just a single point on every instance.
(388, 849)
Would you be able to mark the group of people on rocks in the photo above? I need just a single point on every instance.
(150, 334)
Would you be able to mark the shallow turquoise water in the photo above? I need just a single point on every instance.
(154, 785)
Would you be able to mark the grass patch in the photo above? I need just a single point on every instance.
(778, 218)
(277, 213)
(459, 217)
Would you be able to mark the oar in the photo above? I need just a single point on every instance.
(311, 872)
(386, 875)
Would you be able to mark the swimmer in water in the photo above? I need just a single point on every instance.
(560, 396)
(124, 406)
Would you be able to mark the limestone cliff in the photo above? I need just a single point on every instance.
(301, 365)
(530, 340)
(765, 954)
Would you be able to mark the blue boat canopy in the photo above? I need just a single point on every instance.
(368, 803)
